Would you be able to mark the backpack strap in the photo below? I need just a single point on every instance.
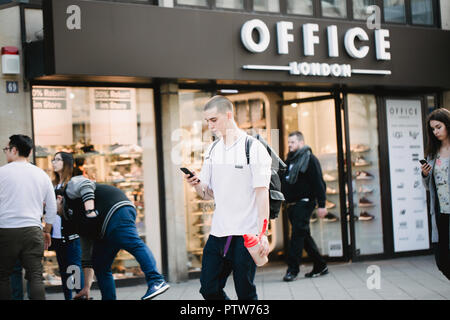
(212, 147)
(248, 145)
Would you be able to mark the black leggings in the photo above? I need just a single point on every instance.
(442, 251)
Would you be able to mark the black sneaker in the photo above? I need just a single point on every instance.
(317, 272)
(289, 277)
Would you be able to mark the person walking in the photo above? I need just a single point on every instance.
(241, 196)
(106, 222)
(436, 178)
(65, 240)
(24, 188)
(302, 185)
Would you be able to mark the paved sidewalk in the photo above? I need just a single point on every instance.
(415, 278)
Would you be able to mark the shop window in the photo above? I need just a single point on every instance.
(394, 11)
(302, 7)
(311, 118)
(199, 3)
(422, 12)
(230, 4)
(363, 131)
(334, 8)
(110, 131)
(360, 8)
(266, 5)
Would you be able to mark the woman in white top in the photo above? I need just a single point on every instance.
(65, 240)
(436, 178)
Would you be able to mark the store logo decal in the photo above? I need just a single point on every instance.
(317, 69)
(311, 38)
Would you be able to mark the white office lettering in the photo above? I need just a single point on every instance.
(247, 39)
(349, 42)
(309, 38)
(283, 36)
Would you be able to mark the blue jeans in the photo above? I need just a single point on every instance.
(121, 233)
(216, 269)
(69, 254)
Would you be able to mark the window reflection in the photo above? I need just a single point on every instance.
(422, 12)
(266, 5)
(303, 7)
(334, 8)
(394, 11)
(200, 3)
(230, 4)
(360, 8)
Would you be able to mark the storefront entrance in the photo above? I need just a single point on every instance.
(339, 127)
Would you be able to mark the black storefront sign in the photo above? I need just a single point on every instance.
(87, 38)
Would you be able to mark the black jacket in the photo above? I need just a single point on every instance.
(309, 184)
(108, 199)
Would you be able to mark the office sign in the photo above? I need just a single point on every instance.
(98, 38)
(409, 206)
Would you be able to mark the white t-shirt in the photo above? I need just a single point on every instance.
(233, 182)
(23, 190)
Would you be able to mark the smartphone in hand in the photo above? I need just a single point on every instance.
(423, 161)
(187, 171)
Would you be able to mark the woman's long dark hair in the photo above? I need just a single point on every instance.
(433, 144)
(67, 171)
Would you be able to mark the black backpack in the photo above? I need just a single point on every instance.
(276, 198)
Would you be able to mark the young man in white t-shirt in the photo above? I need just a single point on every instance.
(241, 195)
(24, 188)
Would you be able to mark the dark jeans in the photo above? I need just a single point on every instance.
(299, 215)
(121, 233)
(441, 250)
(216, 269)
(25, 245)
(69, 254)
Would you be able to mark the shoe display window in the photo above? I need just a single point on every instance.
(316, 120)
(363, 131)
(110, 132)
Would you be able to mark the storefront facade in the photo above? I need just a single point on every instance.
(128, 100)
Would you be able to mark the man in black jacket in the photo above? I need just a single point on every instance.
(302, 185)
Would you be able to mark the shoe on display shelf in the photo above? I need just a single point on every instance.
(331, 190)
(361, 162)
(364, 202)
(365, 216)
(359, 148)
(313, 218)
(330, 218)
(364, 175)
(329, 178)
(366, 189)
(329, 204)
